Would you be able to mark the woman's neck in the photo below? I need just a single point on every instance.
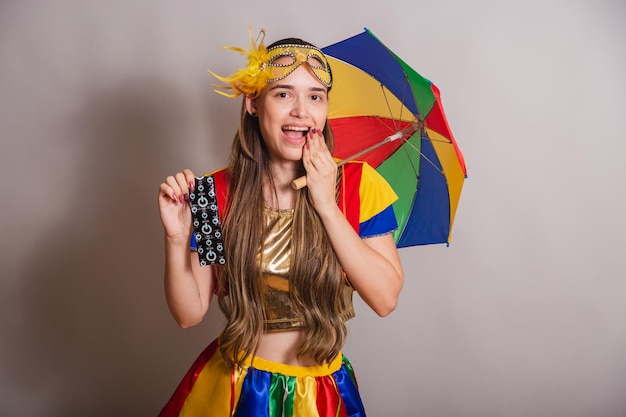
(278, 192)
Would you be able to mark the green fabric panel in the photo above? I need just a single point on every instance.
(401, 170)
(421, 89)
(281, 395)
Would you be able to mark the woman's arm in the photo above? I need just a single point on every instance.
(188, 286)
(372, 264)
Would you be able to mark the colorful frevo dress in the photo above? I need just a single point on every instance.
(262, 388)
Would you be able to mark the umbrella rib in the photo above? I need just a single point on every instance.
(423, 156)
(382, 88)
(396, 120)
(393, 128)
(406, 151)
(444, 140)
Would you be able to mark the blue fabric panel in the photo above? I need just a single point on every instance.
(382, 223)
(432, 202)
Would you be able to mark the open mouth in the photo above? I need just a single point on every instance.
(295, 132)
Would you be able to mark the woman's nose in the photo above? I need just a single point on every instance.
(298, 109)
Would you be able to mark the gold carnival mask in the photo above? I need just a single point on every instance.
(263, 69)
(299, 54)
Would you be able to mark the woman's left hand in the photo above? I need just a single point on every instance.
(373, 264)
(321, 171)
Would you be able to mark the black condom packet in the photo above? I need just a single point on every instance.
(207, 226)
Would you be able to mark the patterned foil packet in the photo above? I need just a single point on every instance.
(207, 226)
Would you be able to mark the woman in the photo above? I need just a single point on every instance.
(293, 257)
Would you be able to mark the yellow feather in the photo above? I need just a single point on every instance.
(251, 79)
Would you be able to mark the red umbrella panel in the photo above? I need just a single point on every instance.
(378, 101)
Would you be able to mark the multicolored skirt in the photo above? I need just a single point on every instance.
(264, 388)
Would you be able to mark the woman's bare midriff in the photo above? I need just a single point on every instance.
(282, 347)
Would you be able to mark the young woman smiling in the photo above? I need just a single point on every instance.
(292, 257)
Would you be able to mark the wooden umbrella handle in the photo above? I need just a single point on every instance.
(299, 183)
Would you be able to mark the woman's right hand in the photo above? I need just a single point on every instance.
(174, 204)
(188, 286)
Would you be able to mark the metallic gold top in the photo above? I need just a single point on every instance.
(276, 263)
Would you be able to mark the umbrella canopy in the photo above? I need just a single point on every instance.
(376, 95)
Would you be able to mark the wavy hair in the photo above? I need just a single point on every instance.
(315, 276)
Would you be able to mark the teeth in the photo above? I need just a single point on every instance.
(296, 128)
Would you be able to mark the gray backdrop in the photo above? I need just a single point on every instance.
(523, 315)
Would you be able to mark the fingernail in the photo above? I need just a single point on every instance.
(181, 199)
(174, 197)
(191, 185)
(186, 196)
(313, 130)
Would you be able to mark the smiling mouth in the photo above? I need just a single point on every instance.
(295, 132)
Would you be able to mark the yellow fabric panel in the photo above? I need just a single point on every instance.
(451, 168)
(376, 193)
(355, 93)
(211, 388)
(304, 404)
(291, 370)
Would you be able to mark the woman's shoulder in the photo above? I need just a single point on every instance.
(355, 167)
(218, 172)
(365, 173)
(220, 177)
(364, 195)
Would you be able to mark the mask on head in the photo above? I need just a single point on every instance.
(262, 68)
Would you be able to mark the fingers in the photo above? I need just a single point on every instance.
(190, 179)
(321, 171)
(316, 151)
(317, 159)
(178, 186)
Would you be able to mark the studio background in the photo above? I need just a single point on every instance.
(523, 315)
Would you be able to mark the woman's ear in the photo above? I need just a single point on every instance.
(251, 106)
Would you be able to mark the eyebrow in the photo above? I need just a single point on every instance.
(291, 87)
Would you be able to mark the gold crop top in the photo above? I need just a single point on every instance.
(276, 262)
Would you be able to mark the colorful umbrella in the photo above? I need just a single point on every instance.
(378, 104)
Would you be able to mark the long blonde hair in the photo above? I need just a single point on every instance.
(315, 276)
